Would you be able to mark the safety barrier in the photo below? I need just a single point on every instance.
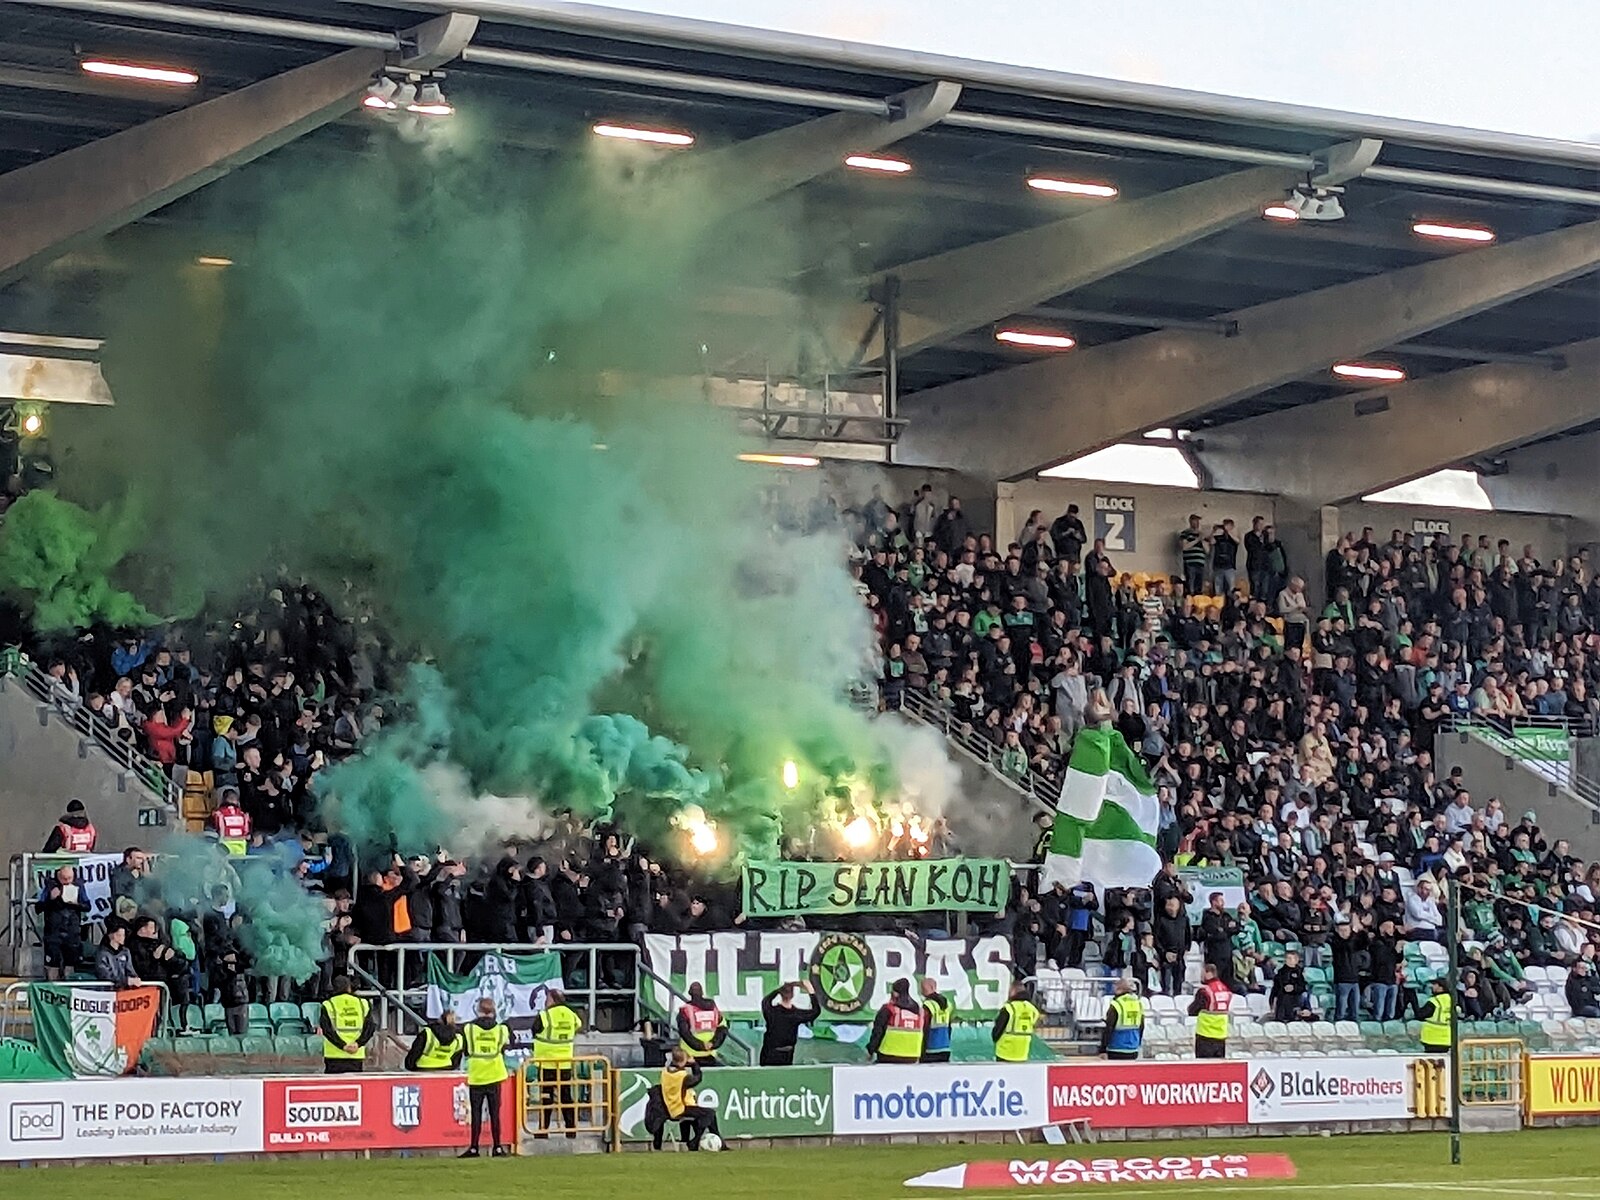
(568, 1098)
(16, 665)
(1492, 1071)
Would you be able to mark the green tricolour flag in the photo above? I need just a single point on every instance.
(1105, 830)
(517, 983)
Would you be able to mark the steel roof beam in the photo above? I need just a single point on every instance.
(961, 289)
(1011, 422)
(1353, 446)
(49, 206)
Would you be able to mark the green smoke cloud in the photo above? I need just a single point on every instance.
(447, 382)
(282, 929)
(56, 559)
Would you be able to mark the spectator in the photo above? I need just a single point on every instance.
(112, 962)
(62, 908)
(1583, 990)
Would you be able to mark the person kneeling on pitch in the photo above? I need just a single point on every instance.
(679, 1078)
(486, 1040)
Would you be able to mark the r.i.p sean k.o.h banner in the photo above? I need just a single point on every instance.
(786, 889)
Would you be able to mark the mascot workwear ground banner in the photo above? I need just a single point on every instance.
(787, 889)
(850, 972)
(90, 1032)
(517, 983)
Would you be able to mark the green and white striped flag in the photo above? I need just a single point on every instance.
(1105, 830)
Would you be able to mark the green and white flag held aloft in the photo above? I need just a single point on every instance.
(1105, 830)
(517, 983)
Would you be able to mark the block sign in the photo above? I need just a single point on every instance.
(1114, 522)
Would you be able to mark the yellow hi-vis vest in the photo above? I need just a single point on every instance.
(437, 1055)
(676, 1094)
(902, 1036)
(486, 1050)
(1213, 1021)
(1127, 1035)
(703, 1026)
(553, 1043)
(1017, 1040)
(348, 1016)
(1436, 1029)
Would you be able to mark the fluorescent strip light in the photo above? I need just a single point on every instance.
(1041, 341)
(1350, 370)
(1452, 233)
(656, 137)
(888, 166)
(214, 260)
(1072, 187)
(782, 460)
(377, 102)
(95, 66)
(431, 110)
(1279, 212)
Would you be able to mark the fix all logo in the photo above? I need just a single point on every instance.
(405, 1106)
(1261, 1085)
(322, 1106)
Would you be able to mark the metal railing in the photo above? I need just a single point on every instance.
(1548, 746)
(979, 749)
(395, 977)
(71, 710)
(571, 1097)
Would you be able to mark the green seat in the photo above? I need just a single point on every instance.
(216, 1019)
(311, 1013)
(289, 1046)
(1371, 1032)
(1318, 975)
(258, 1020)
(312, 1043)
(257, 1046)
(287, 1018)
(194, 1017)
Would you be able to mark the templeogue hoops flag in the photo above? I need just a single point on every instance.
(88, 1032)
(1105, 830)
(517, 983)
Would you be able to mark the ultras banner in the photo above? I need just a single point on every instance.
(851, 972)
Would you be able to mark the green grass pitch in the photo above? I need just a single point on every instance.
(1550, 1164)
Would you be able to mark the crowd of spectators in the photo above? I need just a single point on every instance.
(1291, 738)
(1293, 741)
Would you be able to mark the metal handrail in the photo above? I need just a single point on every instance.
(15, 664)
(400, 1000)
(1500, 734)
(961, 735)
(751, 1057)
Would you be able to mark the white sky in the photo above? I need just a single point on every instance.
(1526, 67)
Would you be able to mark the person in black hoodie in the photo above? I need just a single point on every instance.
(500, 902)
(445, 886)
(1173, 936)
(538, 906)
(1289, 998)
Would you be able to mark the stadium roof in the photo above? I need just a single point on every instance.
(563, 66)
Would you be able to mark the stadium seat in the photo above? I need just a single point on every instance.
(1277, 1032)
(287, 1018)
(259, 1049)
(258, 1020)
(194, 1017)
(216, 1020)
(311, 1013)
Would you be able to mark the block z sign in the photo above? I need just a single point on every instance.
(1113, 522)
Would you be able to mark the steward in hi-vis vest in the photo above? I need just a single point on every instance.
(555, 1029)
(897, 1029)
(1436, 1010)
(701, 1027)
(346, 1026)
(1123, 1034)
(1210, 1008)
(485, 1047)
(937, 1014)
(1013, 1028)
(439, 1046)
